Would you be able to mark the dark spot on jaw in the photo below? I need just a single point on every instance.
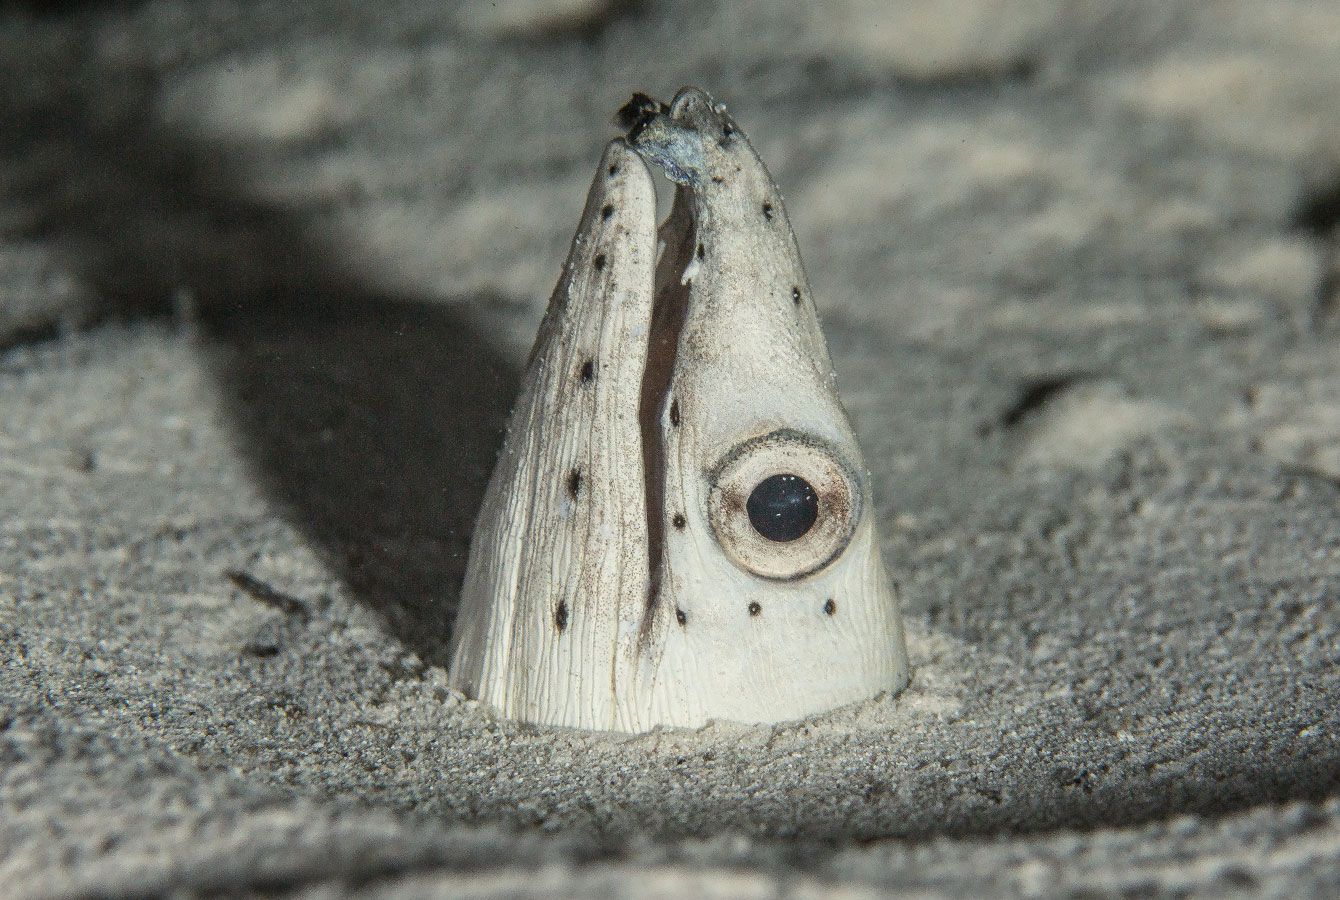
(674, 413)
(561, 615)
(795, 295)
(588, 370)
(754, 608)
(574, 483)
(767, 211)
(600, 262)
(679, 521)
(638, 113)
(614, 169)
(727, 128)
(702, 254)
(830, 607)
(607, 210)
(717, 179)
(680, 617)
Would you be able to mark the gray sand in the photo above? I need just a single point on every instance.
(268, 274)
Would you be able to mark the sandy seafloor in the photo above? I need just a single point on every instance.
(268, 275)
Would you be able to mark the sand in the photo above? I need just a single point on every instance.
(268, 275)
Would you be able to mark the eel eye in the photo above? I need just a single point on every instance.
(783, 508)
(783, 505)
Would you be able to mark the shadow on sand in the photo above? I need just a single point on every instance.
(372, 420)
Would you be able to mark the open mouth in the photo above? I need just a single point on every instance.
(671, 290)
(782, 501)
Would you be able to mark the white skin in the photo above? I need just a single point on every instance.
(619, 577)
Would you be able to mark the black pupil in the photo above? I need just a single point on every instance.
(783, 507)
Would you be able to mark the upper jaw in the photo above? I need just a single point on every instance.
(680, 136)
(731, 276)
